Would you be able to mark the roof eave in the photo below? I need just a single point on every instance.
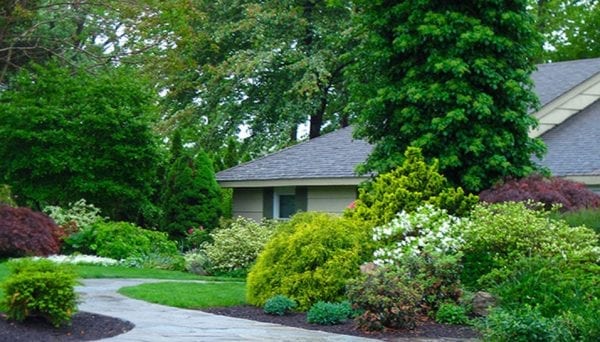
(326, 181)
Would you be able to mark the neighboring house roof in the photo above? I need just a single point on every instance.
(327, 160)
(564, 89)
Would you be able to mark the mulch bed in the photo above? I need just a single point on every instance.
(85, 326)
(425, 328)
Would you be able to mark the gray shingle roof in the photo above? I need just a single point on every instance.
(574, 145)
(333, 155)
(554, 79)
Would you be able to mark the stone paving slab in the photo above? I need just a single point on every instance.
(155, 322)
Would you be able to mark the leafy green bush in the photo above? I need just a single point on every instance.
(525, 324)
(6, 196)
(121, 240)
(79, 215)
(451, 313)
(40, 288)
(503, 232)
(195, 238)
(325, 313)
(585, 217)
(309, 259)
(236, 245)
(389, 299)
(412, 184)
(279, 305)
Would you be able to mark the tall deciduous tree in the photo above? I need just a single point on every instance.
(452, 78)
(68, 135)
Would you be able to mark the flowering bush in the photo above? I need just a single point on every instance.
(426, 230)
(236, 246)
(81, 259)
(80, 215)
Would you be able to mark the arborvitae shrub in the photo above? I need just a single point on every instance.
(309, 259)
(24, 232)
(550, 191)
(407, 187)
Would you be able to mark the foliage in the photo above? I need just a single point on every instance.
(191, 196)
(24, 232)
(570, 195)
(279, 305)
(40, 288)
(325, 313)
(525, 325)
(161, 261)
(389, 299)
(120, 240)
(237, 245)
(196, 261)
(452, 78)
(501, 233)
(195, 238)
(405, 188)
(309, 259)
(78, 215)
(557, 288)
(585, 217)
(6, 196)
(450, 313)
(69, 135)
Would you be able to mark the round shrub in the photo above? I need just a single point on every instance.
(407, 187)
(40, 288)
(279, 305)
(325, 313)
(550, 191)
(24, 232)
(236, 245)
(501, 233)
(309, 259)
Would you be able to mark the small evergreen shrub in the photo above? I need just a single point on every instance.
(407, 187)
(309, 259)
(501, 233)
(525, 325)
(236, 246)
(279, 305)
(389, 299)
(450, 313)
(325, 313)
(40, 288)
(550, 191)
(24, 232)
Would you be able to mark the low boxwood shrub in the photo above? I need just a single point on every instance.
(326, 313)
(450, 313)
(24, 232)
(236, 245)
(40, 288)
(501, 233)
(407, 187)
(279, 305)
(548, 190)
(309, 259)
(388, 299)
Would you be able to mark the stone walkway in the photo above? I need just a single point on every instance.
(155, 322)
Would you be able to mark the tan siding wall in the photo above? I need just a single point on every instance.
(333, 199)
(248, 203)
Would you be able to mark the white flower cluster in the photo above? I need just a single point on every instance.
(81, 259)
(428, 229)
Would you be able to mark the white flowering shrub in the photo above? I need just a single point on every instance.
(81, 259)
(80, 213)
(236, 246)
(427, 230)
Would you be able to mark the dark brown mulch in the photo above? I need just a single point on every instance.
(425, 329)
(85, 326)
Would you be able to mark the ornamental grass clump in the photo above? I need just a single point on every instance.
(40, 288)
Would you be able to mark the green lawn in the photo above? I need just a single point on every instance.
(189, 295)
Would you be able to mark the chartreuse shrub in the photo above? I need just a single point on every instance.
(236, 245)
(326, 313)
(570, 195)
(407, 187)
(279, 305)
(501, 233)
(40, 288)
(309, 259)
(24, 232)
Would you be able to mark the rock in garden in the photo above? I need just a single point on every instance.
(482, 302)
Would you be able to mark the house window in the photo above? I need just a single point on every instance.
(284, 203)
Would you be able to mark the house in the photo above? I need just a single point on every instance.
(319, 174)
